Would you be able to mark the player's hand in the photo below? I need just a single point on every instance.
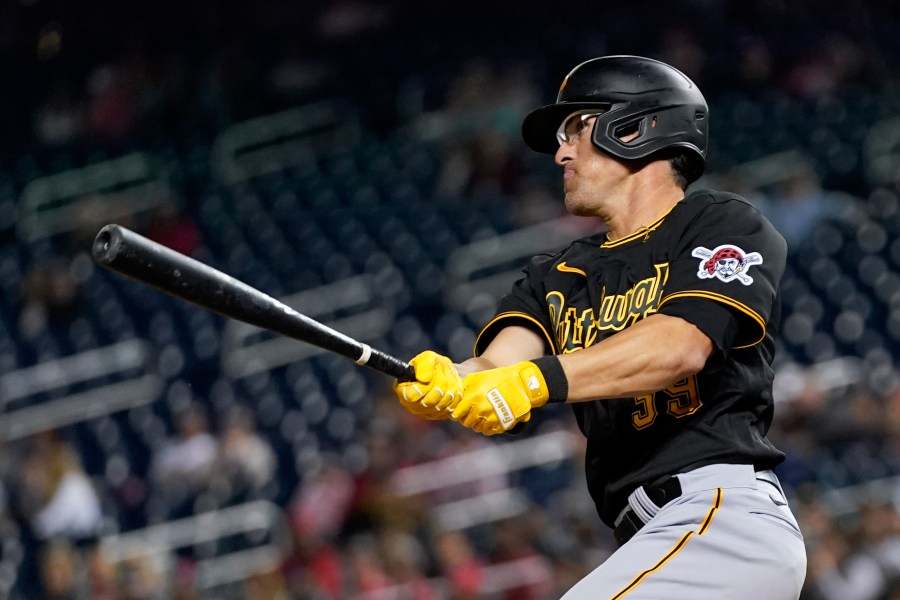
(495, 400)
(436, 390)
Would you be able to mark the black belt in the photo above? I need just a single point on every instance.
(660, 493)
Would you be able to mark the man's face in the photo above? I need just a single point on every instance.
(589, 175)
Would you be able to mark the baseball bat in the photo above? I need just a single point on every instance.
(121, 250)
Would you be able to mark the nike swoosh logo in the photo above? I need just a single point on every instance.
(567, 269)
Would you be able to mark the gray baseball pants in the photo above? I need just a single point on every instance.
(729, 535)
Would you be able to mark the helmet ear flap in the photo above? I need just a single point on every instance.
(615, 132)
(611, 136)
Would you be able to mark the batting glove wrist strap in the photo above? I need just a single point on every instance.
(495, 400)
(554, 377)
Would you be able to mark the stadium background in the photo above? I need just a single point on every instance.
(362, 159)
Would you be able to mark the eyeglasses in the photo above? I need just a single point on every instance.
(573, 125)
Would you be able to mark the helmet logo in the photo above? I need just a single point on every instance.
(726, 263)
(563, 86)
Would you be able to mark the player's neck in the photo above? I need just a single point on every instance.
(643, 206)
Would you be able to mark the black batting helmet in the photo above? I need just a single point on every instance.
(634, 94)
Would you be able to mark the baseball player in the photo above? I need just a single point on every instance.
(658, 333)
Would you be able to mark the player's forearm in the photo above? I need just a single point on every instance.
(511, 345)
(473, 365)
(646, 357)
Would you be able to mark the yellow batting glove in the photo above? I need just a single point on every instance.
(436, 390)
(495, 400)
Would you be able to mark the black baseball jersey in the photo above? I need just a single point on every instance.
(712, 260)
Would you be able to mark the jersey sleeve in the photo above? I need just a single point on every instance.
(524, 306)
(730, 255)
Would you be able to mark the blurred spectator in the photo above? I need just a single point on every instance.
(375, 502)
(405, 562)
(513, 541)
(59, 571)
(246, 460)
(756, 67)
(174, 229)
(11, 550)
(350, 18)
(851, 556)
(478, 130)
(183, 578)
(112, 105)
(497, 170)
(50, 298)
(798, 203)
(682, 50)
(54, 492)
(92, 212)
(855, 432)
(323, 501)
(567, 532)
(140, 578)
(366, 569)
(458, 563)
(796, 430)
(314, 568)
(317, 514)
(835, 63)
(181, 467)
(100, 575)
(269, 585)
(880, 537)
(840, 571)
(296, 75)
(60, 119)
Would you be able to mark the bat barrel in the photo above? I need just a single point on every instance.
(131, 254)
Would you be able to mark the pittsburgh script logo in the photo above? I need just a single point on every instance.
(579, 328)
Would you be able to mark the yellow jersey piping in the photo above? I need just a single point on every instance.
(640, 232)
(724, 300)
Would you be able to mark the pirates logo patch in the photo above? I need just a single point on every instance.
(726, 262)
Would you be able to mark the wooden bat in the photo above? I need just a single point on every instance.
(124, 251)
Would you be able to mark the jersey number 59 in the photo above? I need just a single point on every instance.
(681, 398)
